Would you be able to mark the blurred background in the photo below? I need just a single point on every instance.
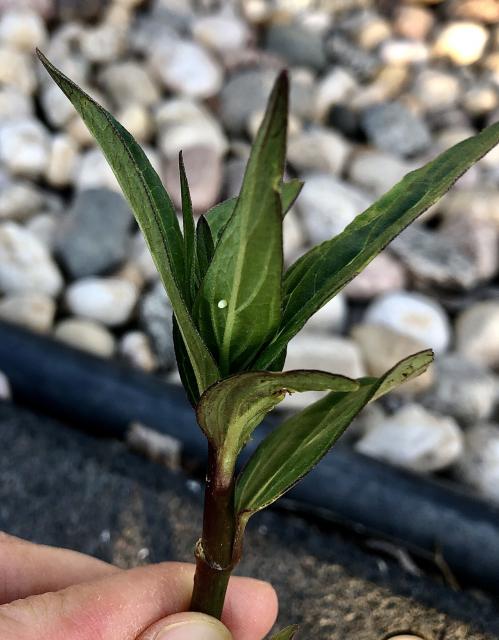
(377, 90)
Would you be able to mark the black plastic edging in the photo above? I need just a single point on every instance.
(105, 398)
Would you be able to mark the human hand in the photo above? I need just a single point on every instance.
(57, 594)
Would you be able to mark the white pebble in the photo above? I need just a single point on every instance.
(25, 264)
(24, 147)
(414, 315)
(107, 300)
(416, 439)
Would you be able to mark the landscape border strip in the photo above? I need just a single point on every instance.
(104, 397)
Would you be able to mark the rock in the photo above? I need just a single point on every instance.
(136, 348)
(372, 32)
(45, 227)
(404, 52)
(327, 353)
(234, 174)
(62, 161)
(5, 390)
(480, 99)
(436, 90)
(138, 120)
(245, 93)
(342, 51)
(414, 315)
(302, 89)
(203, 167)
(76, 10)
(479, 465)
(156, 318)
(331, 317)
(129, 82)
(365, 170)
(187, 68)
(56, 107)
(382, 348)
(318, 149)
(16, 70)
(22, 29)
(183, 123)
(25, 264)
(390, 82)
(413, 22)
(393, 128)
(416, 439)
(24, 147)
(19, 200)
(86, 335)
(477, 333)
(299, 46)
(479, 204)
(94, 237)
(462, 42)
(92, 172)
(103, 43)
(480, 10)
(44, 8)
(221, 32)
(142, 259)
(177, 13)
(107, 300)
(463, 390)
(35, 311)
(14, 104)
(477, 239)
(322, 220)
(435, 258)
(294, 238)
(383, 275)
(334, 88)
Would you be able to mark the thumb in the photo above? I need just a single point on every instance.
(187, 626)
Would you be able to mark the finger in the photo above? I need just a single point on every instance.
(188, 626)
(28, 569)
(124, 605)
(250, 608)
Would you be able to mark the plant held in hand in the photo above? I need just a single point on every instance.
(235, 310)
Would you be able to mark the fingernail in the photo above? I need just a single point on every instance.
(194, 630)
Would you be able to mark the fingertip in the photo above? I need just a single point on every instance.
(250, 608)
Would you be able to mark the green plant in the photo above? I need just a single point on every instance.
(235, 310)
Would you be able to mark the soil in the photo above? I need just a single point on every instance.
(61, 487)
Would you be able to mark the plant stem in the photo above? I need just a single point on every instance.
(214, 552)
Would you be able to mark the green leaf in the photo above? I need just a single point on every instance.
(152, 208)
(238, 307)
(297, 445)
(286, 634)
(230, 410)
(218, 216)
(322, 272)
(205, 248)
(186, 372)
(189, 234)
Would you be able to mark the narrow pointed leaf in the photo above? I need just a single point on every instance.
(231, 409)
(297, 445)
(286, 634)
(186, 372)
(322, 272)
(205, 248)
(189, 233)
(152, 208)
(239, 303)
(218, 216)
